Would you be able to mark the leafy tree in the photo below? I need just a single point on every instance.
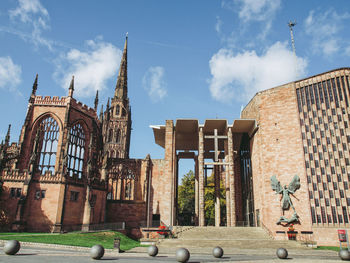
(209, 201)
(186, 200)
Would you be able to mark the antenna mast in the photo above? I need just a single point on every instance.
(291, 25)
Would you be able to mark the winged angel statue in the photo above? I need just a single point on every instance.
(286, 200)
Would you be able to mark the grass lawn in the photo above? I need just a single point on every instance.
(328, 248)
(105, 239)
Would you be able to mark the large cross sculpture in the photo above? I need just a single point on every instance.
(216, 138)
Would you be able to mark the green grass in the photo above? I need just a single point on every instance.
(327, 248)
(105, 239)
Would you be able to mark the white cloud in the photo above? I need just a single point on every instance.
(258, 10)
(324, 29)
(27, 8)
(240, 76)
(153, 82)
(218, 25)
(10, 74)
(32, 13)
(91, 68)
(262, 12)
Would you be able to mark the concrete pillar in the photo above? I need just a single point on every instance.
(196, 192)
(232, 200)
(167, 213)
(217, 195)
(201, 177)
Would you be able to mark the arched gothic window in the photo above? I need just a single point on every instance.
(49, 133)
(110, 135)
(76, 150)
(117, 136)
(117, 110)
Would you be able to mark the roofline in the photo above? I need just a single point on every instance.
(299, 80)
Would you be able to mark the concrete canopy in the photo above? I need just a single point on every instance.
(186, 131)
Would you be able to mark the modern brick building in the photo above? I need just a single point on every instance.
(71, 167)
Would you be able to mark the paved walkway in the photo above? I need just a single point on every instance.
(33, 253)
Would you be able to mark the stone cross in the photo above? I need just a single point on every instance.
(216, 138)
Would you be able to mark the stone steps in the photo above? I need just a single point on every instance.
(225, 237)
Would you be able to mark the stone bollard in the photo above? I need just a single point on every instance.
(97, 252)
(218, 252)
(152, 251)
(182, 255)
(12, 247)
(116, 244)
(282, 253)
(344, 254)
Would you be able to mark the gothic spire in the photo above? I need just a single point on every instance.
(71, 87)
(107, 107)
(121, 89)
(7, 138)
(35, 85)
(101, 113)
(96, 100)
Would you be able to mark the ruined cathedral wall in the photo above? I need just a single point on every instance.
(40, 112)
(160, 191)
(41, 212)
(133, 211)
(277, 150)
(74, 209)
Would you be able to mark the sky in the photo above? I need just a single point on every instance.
(201, 59)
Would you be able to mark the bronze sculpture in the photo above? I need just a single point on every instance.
(286, 200)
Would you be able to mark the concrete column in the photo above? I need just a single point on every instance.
(217, 195)
(167, 213)
(196, 193)
(227, 188)
(201, 177)
(232, 200)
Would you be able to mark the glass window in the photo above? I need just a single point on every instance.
(334, 215)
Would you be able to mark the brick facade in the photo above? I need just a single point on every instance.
(296, 136)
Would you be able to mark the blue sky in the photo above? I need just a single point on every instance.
(186, 59)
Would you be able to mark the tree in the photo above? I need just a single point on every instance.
(186, 201)
(209, 201)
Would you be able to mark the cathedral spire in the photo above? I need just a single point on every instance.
(121, 89)
(71, 88)
(96, 100)
(35, 87)
(101, 113)
(7, 138)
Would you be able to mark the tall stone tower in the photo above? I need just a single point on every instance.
(117, 117)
